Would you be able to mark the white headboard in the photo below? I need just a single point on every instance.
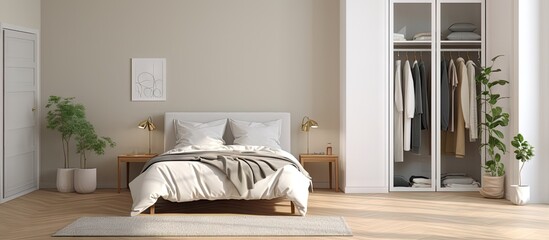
(169, 128)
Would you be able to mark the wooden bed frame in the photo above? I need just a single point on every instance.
(152, 208)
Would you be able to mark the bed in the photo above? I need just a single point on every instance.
(248, 158)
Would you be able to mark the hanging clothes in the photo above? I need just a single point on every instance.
(444, 96)
(473, 111)
(465, 97)
(452, 83)
(416, 121)
(398, 116)
(455, 141)
(425, 117)
(409, 104)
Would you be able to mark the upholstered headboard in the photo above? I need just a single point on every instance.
(169, 128)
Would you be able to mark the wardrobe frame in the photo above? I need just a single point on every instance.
(436, 49)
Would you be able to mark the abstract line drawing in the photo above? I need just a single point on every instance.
(148, 79)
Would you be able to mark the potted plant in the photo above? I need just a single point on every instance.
(64, 116)
(85, 179)
(495, 117)
(523, 153)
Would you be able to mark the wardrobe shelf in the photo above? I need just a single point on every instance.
(447, 189)
(411, 189)
(412, 43)
(443, 43)
(455, 43)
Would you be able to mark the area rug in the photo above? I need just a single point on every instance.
(181, 226)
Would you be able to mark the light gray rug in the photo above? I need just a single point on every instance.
(207, 226)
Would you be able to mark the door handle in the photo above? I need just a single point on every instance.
(34, 109)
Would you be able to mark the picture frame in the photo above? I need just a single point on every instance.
(148, 81)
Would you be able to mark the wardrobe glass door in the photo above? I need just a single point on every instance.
(412, 164)
(461, 44)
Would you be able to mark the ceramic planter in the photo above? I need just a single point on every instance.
(493, 187)
(520, 194)
(65, 180)
(85, 180)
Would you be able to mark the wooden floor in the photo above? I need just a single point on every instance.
(370, 216)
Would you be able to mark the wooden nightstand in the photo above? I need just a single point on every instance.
(131, 158)
(303, 158)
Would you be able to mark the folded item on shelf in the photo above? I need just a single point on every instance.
(421, 185)
(411, 180)
(400, 181)
(463, 36)
(457, 185)
(399, 37)
(422, 180)
(462, 27)
(422, 34)
(423, 38)
(457, 180)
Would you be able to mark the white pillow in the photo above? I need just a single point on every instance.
(256, 133)
(194, 133)
(462, 27)
(463, 36)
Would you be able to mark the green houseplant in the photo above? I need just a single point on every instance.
(494, 119)
(87, 140)
(65, 116)
(523, 153)
(85, 179)
(69, 119)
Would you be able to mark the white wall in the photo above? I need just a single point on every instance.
(364, 95)
(542, 192)
(22, 13)
(238, 55)
(532, 96)
(500, 41)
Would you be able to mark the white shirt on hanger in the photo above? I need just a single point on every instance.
(409, 104)
(464, 80)
(473, 112)
(399, 117)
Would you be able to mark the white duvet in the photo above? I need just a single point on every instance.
(184, 181)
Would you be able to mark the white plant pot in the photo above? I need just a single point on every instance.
(65, 180)
(85, 180)
(492, 187)
(520, 194)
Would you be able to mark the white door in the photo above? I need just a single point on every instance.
(20, 125)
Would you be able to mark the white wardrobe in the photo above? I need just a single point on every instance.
(19, 165)
(426, 36)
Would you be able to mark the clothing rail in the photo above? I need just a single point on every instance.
(411, 50)
(460, 50)
(442, 50)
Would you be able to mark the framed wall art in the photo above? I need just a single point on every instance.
(148, 79)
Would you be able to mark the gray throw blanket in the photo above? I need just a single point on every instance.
(243, 169)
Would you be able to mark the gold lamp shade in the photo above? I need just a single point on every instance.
(306, 125)
(149, 125)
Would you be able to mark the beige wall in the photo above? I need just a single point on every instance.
(238, 55)
(22, 13)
